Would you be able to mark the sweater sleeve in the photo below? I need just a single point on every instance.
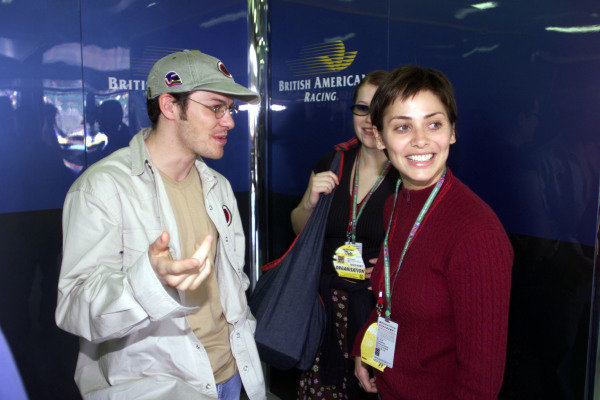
(479, 279)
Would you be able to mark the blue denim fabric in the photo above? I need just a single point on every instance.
(230, 390)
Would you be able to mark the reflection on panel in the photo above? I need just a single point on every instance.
(41, 109)
(63, 122)
(72, 91)
(319, 52)
(314, 73)
(43, 88)
(526, 76)
(107, 123)
(116, 63)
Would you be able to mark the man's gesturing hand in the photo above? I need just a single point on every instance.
(186, 274)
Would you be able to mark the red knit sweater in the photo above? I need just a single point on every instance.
(450, 299)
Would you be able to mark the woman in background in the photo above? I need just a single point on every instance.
(356, 218)
(442, 280)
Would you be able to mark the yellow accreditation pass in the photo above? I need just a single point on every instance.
(367, 347)
(348, 262)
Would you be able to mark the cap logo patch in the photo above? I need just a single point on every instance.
(222, 68)
(227, 215)
(172, 79)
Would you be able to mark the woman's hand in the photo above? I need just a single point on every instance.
(362, 374)
(323, 182)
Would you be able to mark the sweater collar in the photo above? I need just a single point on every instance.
(419, 197)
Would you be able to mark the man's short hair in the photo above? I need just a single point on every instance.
(181, 99)
(407, 81)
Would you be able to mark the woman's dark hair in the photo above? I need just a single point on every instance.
(372, 78)
(153, 108)
(407, 81)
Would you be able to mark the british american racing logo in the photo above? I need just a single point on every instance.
(318, 67)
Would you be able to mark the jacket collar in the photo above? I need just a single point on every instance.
(139, 152)
(207, 175)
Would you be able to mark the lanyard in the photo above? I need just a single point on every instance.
(351, 233)
(411, 235)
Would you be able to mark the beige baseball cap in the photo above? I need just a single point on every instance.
(190, 70)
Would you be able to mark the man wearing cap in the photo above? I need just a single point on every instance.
(153, 252)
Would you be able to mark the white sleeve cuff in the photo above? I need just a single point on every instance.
(158, 301)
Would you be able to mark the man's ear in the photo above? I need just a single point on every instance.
(167, 105)
(378, 139)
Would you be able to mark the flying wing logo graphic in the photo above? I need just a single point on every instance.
(322, 58)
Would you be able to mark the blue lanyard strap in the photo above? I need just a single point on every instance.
(356, 215)
(386, 252)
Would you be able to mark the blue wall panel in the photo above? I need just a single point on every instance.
(526, 97)
(41, 108)
(526, 78)
(140, 34)
(71, 91)
(40, 101)
(316, 118)
(55, 81)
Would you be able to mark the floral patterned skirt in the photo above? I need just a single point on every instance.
(310, 387)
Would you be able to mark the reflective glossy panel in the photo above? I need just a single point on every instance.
(40, 103)
(320, 51)
(525, 83)
(71, 92)
(526, 78)
(116, 62)
(41, 140)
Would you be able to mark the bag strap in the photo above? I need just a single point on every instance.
(336, 168)
(347, 145)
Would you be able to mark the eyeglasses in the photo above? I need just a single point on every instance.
(221, 109)
(360, 109)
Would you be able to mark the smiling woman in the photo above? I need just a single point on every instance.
(444, 303)
(418, 135)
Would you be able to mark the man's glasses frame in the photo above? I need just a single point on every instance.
(220, 109)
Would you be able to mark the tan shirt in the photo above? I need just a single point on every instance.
(208, 323)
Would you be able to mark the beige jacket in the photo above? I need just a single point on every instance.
(135, 339)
